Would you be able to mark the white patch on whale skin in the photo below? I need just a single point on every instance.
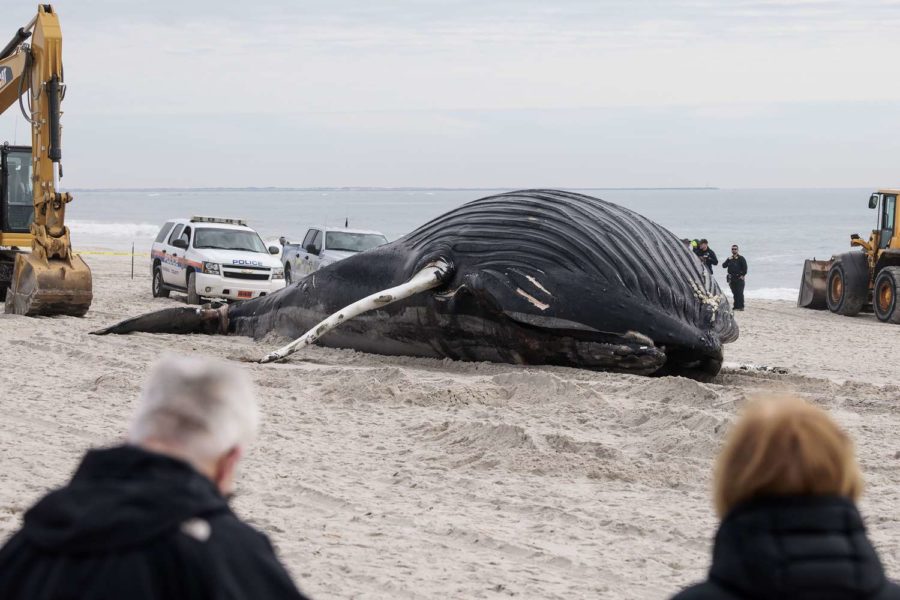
(705, 297)
(639, 337)
(538, 285)
(532, 299)
(447, 295)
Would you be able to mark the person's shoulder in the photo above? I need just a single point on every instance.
(222, 536)
(229, 529)
(695, 592)
(704, 591)
(14, 544)
(244, 559)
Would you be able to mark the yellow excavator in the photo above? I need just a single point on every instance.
(49, 280)
(863, 278)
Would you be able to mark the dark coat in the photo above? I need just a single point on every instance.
(737, 267)
(801, 548)
(707, 257)
(138, 525)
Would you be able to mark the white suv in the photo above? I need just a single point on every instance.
(213, 258)
(323, 246)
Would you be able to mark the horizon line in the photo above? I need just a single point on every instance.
(374, 189)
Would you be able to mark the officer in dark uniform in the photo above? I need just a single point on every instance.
(737, 272)
(706, 255)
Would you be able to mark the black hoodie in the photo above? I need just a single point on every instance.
(138, 525)
(796, 548)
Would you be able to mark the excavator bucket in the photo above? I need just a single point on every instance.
(812, 286)
(49, 287)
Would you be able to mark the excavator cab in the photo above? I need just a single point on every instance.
(16, 200)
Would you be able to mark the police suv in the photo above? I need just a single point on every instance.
(213, 258)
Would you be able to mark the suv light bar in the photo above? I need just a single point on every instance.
(241, 222)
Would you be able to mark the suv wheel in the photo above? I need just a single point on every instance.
(192, 296)
(159, 290)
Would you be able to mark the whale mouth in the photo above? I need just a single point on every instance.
(628, 352)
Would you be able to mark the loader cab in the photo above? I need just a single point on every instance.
(16, 202)
(886, 203)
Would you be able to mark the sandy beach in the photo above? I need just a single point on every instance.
(383, 477)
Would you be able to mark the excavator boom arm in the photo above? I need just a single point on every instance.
(51, 279)
(12, 70)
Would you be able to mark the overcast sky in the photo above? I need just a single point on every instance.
(471, 93)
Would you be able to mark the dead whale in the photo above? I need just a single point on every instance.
(528, 277)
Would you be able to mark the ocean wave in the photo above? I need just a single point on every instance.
(773, 294)
(776, 259)
(118, 231)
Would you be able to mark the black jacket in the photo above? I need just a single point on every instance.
(737, 267)
(138, 525)
(708, 257)
(801, 548)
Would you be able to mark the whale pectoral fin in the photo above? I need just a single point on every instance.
(183, 319)
(431, 276)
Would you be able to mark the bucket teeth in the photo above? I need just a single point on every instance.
(53, 287)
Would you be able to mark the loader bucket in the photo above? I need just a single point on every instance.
(812, 286)
(49, 287)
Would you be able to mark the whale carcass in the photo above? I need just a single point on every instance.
(528, 277)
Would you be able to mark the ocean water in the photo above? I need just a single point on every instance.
(775, 228)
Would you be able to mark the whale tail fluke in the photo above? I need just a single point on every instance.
(184, 319)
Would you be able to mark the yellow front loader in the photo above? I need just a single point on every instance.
(50, 279)
(867, 276)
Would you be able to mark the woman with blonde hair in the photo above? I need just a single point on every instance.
(786, 484)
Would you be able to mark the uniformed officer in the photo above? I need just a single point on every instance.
(737, 272)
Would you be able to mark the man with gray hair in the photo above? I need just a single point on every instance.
(149, 519)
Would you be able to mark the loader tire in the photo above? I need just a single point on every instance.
(884, 298)
(192, 296)
(848, 284)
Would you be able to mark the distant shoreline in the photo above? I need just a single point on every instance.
(380, 189)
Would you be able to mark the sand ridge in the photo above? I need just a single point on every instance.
(385, 477)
